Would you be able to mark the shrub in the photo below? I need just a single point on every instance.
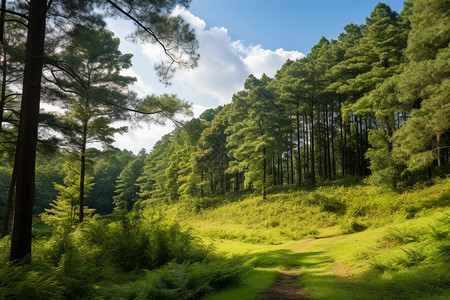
(190, 280)
(353, 225)
(29, 282)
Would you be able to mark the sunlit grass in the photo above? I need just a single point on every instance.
(309, 229)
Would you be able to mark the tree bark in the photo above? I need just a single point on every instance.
(264, 173)
(328, 141)
(438, 140)
(342, 146)
(332, 142)
(299, 162)
(313, 167)
(83, 172)
(28, 129)
(9, 201)
(3, 94)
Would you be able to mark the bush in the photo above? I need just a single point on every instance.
(190, 280)
(27, 282)
(353, 225)
(134, 242)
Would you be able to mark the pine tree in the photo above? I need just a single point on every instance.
(126, 188)
(64, 210)
(424, 85)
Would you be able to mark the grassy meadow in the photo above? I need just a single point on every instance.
(347, 240)
(350, 241)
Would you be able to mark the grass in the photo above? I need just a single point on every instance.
(342, 267)
(350, 242)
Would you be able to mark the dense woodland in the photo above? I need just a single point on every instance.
(373, 105)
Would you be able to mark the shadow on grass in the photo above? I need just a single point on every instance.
(317, 281)
(287, 259)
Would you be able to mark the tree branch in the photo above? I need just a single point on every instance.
(146, 29)
(17, 21)
(11, 12)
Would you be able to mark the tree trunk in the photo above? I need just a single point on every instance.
(299, 162)
(201, 184)
(9, 201)
(28, 129)
(264, 173)
(328, 142)
(319, 146)
(358, 150)
(306, 148)
(345, 149)
(83, 172)
(332, 142)
(280, 157)
(313, 167)
(438, 139)
(274, 170)
(3, 94)
(342, 146)
(292, 162)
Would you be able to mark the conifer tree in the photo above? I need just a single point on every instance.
(64, 210)
(155, 24)
(126, 188)
(424, 85)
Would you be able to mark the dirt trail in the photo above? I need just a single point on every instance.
(287, 284)
(285, 287)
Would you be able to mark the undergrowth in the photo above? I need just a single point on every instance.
(291, 213)
(126, 256)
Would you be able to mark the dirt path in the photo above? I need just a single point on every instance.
(285, 287)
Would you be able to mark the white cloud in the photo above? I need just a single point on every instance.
(259, 60)
(224, 66)
(198, 110)
(146, 137)
(140, 87)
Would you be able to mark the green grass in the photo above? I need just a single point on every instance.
(342, 267)
(350, 242)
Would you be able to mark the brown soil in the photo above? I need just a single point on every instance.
(285, 287)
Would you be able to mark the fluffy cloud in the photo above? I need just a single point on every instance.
(224, 64)
(259, 60)
(223, 68)
(137, 138)
(141, 88)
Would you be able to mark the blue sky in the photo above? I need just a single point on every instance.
(287, 24)
(236, 39)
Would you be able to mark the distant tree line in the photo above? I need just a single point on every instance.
(374, 102)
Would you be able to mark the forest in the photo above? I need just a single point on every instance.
(334, 173)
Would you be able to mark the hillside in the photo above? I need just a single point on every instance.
(346, 242)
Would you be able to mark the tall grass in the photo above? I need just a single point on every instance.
(290, 213)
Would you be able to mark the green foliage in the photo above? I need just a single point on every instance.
(106, 171)
(126, 188)
(105, 258)
(134, 242)
(27, 282)
(63, 211)
(191, 280)
(407, 247)
(385, 170)
(5, 178)
(48, 172)
(291, 213)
